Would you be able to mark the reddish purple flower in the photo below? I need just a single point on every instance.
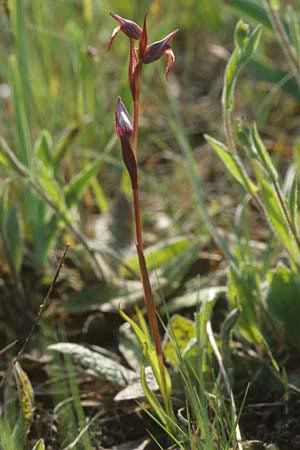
(160, 48)
(130, 28)
(124, 130)
(123, 125)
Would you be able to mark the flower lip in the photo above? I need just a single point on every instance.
(130, 28)
(157, 49)
(124, 126)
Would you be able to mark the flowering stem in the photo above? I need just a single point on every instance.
(137, 217)
(148, 295)
(136, 108)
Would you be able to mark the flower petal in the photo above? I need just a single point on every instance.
(171, 58)
(114, 34)
(144, 39)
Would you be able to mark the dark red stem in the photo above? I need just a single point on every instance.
(136, 107)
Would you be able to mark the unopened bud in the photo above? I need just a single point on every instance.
(124, 126)
(241, 34)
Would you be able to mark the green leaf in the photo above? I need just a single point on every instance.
(40, 445)
(262, 70)
(242, 290)
(174, 270)
(104, 297)
(226, 329)
(106, 368)
(26, 398)
(233, 164)
(43, 147)
(251, 9)
(179, 334)
(201, 321)
(250, 48)
(13, 237)
(277, 218)
(293, 201)
(238, 59)
(294, 28)
(159, 254)
(151, 397)
(46, 180)
(194, 298)
(77, 186)
(67, 138)
(129, 346)
(283, 300)
(150, 355)
(22, 127)
(263, 156)
(230, 77)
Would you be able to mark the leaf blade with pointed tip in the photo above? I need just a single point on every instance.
(80, 182)
(107, 368)
(233, 164)
(277, 218)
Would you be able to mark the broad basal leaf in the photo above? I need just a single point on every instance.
(108, 369)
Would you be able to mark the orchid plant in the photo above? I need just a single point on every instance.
(127, 131)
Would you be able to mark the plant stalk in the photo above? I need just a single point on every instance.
(228, 130)
(136, 108)
(231, 145)
(283, 40)
(148, 295)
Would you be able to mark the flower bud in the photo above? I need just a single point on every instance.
(124, 130)
(123, 124)
(241, 34)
